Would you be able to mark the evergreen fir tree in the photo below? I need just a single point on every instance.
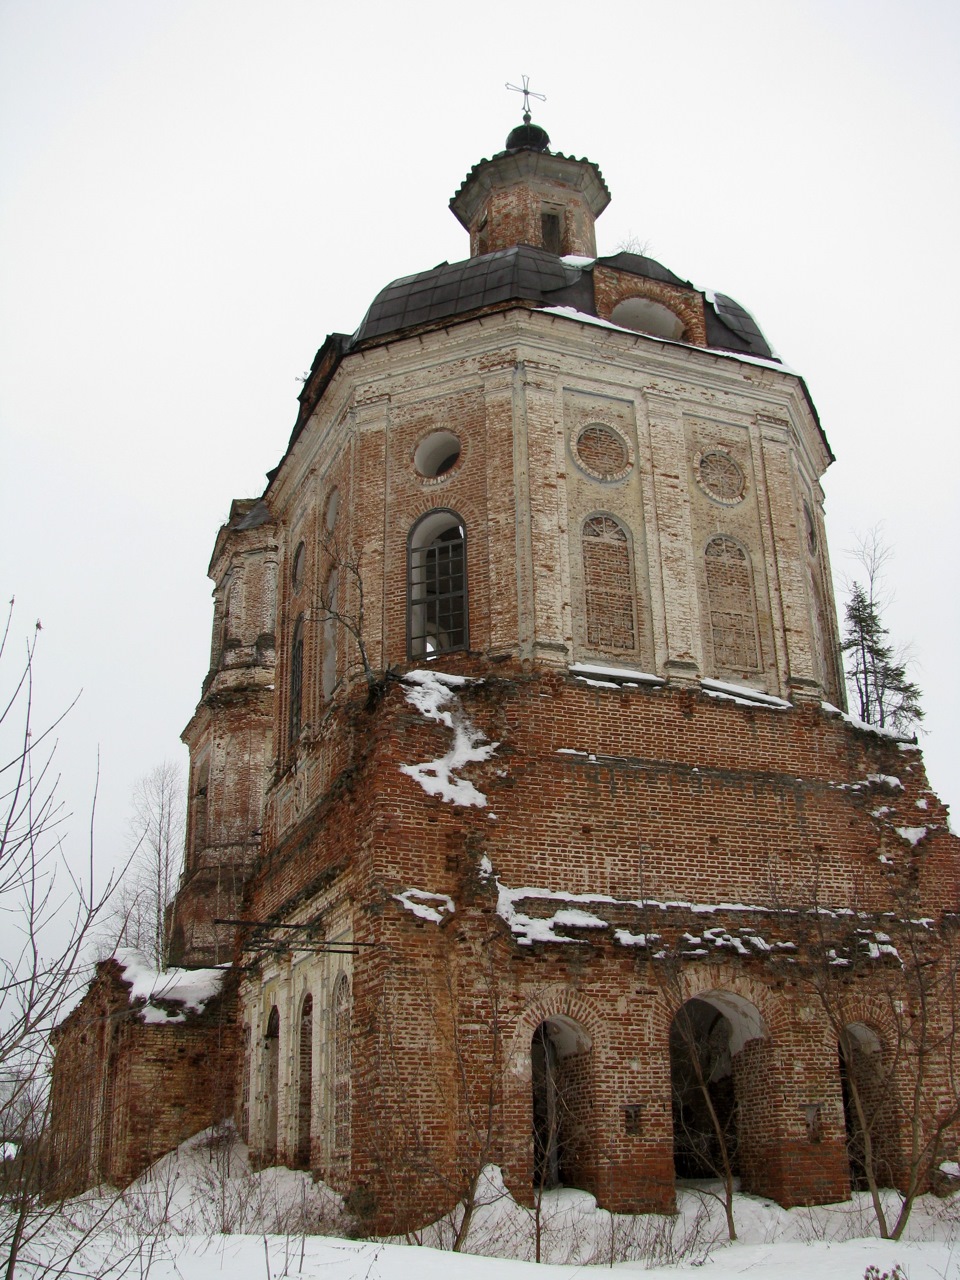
(876, 672)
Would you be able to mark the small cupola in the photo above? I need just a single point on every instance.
(528, 194)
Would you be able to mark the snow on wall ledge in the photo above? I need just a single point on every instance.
(189, 988)
(434, 695)
(428, 906)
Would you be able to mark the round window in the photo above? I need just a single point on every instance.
(436, 454)
(720, 477)
(603, 452)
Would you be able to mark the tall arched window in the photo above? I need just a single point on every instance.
(296, 680)
(331, 634)
(305, 1099)
(733, 606)
(610, 604)
(245, 1086)
(271, 1086)
(437, 585)
(341, 1066)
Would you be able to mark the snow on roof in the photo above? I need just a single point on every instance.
(743, 357)
(869, 728)
(191, 988)
(742, 693)
(614, 673)
(434, 695)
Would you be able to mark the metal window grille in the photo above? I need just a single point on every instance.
(437, 594)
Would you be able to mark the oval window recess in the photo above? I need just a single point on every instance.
(299, 563)
(646, 316)
(436, 454)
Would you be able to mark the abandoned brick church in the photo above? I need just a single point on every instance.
(519, 748)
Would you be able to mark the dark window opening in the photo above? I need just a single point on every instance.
(550, 230)
(296, 681)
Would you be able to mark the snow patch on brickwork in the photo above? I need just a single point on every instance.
(528, 929)
(913, 834)
(419, 902)
(872, 780)
(190, 988)
(434, 694)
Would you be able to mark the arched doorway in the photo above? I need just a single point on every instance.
(562, 1104)
(703, 1095)
(716, 1045)
(271, 1086)
(863, 1090)
(305, 1095)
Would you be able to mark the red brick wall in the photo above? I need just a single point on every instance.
(655, 806)
(125, 1092)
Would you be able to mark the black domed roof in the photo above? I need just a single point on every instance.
(528, 137)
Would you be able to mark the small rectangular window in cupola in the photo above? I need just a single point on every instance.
(550, 230)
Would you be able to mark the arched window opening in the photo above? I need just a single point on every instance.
(609, 595)
(437, 585)
(561, 1062)
(867, 1120)
(645, 315)
(331, 635)
(341, 1066)
(296, 681)
(733, 606)
(226, 620)
(245, 1086)
(305, 1097)
(199, 810)
(271, 1087)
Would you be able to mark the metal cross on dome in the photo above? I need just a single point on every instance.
(528, 93)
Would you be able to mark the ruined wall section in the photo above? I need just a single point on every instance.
(230, 739)
(126, 1090)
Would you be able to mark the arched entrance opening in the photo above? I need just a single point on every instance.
(863, 1090)
(271, 1086)
(305, 1094)
(714, 1043)
(561, 1077)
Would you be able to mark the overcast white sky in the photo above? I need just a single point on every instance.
(195, 192)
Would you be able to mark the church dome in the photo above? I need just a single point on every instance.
(528, 137)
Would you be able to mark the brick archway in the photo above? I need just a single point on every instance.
(549, 1099)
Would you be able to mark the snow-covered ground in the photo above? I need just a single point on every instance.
(201, 1213)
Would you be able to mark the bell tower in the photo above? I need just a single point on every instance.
(529, 195)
